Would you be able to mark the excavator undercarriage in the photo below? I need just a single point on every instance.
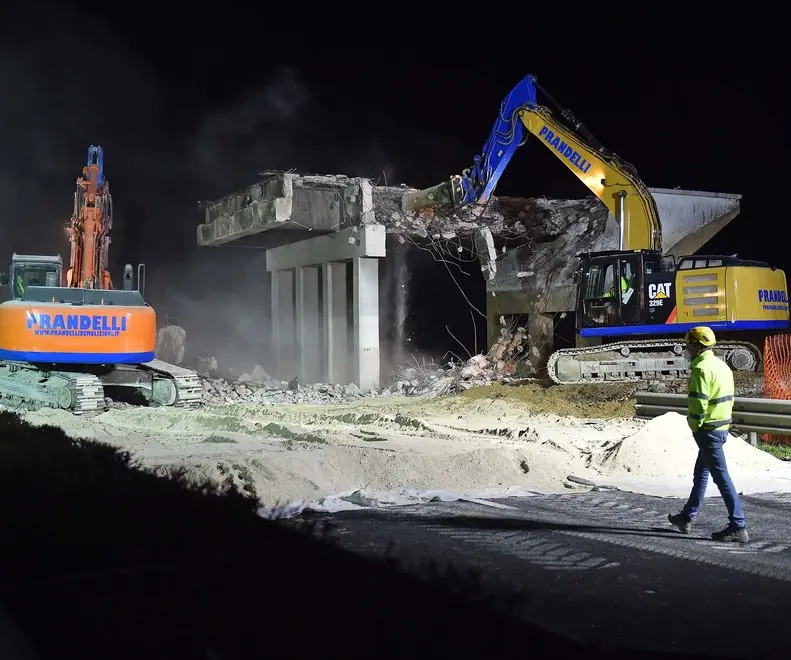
(630, 361)
(28, 386)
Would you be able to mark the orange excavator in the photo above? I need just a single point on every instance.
(64, 337)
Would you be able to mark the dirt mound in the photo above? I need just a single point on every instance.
(590, 401)
(597, 400)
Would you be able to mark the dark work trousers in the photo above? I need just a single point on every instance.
(711, 460)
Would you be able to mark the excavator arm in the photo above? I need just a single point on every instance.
(614, 181)
(90, 225)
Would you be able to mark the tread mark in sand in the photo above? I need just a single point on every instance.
(610, 510)
(548, 555)
(749, 549)
(772, 498)
(718, 559)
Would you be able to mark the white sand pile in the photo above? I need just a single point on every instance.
(660, 458)
(665, 449)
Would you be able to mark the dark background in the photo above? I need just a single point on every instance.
(191, 102)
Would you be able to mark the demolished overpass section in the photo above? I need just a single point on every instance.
(526, 248)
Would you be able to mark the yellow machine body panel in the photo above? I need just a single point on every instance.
(732, 294)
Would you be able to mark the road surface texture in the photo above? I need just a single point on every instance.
(604, 567)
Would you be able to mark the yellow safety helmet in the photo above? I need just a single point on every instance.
(701, 335)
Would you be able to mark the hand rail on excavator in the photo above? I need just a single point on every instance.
(614, 181)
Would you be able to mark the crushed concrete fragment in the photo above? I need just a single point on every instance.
(207, 367)
(505, 363)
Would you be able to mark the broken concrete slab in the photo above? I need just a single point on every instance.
(285, 207)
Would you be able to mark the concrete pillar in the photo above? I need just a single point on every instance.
(335, 322)
(308, 324)
(283, 324)
(366, 321)
(274, 319)
(343, 361)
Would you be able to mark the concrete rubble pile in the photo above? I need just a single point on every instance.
(257, 387)
(500, 364)
(534, 219)
(426, 380)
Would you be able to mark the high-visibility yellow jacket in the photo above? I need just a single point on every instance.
(624, 288)
(710, 395)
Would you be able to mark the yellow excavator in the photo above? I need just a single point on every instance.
(633, 304)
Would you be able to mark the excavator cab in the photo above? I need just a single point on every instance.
(620, 290)
(32, 270)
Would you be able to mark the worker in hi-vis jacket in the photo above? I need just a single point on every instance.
(710, 404)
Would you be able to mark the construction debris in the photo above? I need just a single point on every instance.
(171, 340)
(219, 391)
(505, 363)
(500, 364)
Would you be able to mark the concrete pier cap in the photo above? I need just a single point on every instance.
(324, 232)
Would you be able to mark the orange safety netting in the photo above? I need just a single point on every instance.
(777, 377)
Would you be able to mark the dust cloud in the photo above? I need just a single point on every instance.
(221, 296)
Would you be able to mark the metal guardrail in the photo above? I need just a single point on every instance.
(749, 415)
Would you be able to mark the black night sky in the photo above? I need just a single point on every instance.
(190, 104)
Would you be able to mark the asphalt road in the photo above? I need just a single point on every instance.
(603, 567)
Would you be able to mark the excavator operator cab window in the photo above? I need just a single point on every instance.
(610, 292)
(598, 281)
(27, 275)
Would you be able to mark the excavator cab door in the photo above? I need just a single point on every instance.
(660, 294)
(610, 291)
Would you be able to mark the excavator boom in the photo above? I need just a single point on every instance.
(614, 181)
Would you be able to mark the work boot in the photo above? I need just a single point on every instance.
(682, 522)
(731, 534)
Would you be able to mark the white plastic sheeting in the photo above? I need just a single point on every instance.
(775, 481)
(364, 499)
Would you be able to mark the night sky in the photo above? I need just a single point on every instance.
(191, 104)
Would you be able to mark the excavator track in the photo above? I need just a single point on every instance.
(188, 390)
(651, 359)
(25, 387)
